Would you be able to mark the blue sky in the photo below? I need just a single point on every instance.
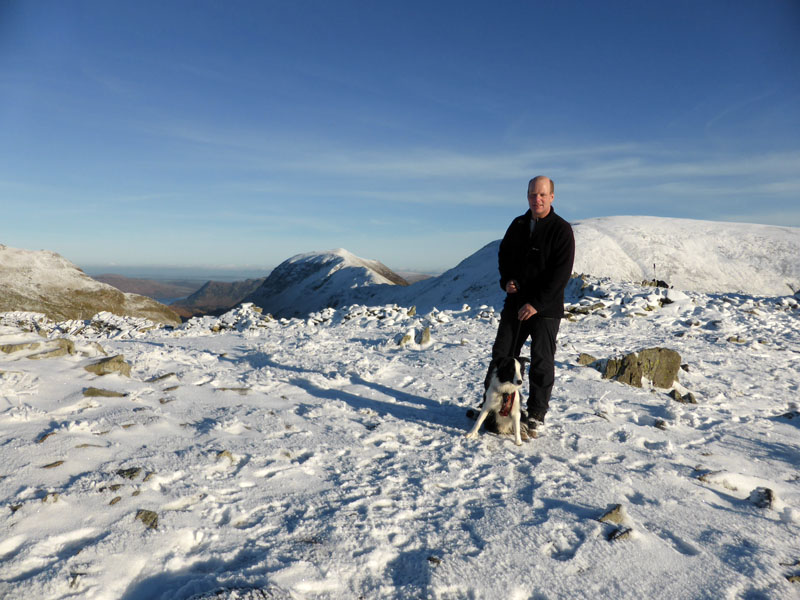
(214, 134)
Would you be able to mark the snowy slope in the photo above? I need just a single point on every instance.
(704, 256)
(689, 255)
(45, 282)
(309, 282)
(252, 458)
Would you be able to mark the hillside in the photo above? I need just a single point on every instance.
(214, 296)
(44, 282)
(703, 256)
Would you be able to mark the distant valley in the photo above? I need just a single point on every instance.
(158, 289)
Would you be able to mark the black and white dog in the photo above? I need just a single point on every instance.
(502, 398)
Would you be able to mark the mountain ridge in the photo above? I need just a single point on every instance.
(46, 282)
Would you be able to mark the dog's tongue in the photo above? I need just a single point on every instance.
(508, 402)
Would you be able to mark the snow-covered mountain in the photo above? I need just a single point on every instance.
(309, 282)
(690, 255)
(45, 282)
(702, 256)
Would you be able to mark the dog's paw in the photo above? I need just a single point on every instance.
(471, 435)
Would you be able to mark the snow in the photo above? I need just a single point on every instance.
(248, 457)
(703, 256)
(316, 458)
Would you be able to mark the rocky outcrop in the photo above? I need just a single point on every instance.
(47, 283)
(657, 365)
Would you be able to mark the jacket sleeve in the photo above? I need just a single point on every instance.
(550, 290)
(505, 257)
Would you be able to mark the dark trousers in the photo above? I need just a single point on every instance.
(543, 332)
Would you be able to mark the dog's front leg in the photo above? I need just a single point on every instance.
(473, 433)
(515, 417)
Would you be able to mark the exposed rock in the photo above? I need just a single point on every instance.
(148, 517)
(158, 378)
(112, 364)
(53, 465)
(424, 337)
(618, 535)
(225, 454)
(586, 359)
(658, 365)
(93, 392)
(584, 309)
(131, 473)
(762, 497)
(45, 349)
(20, 347)
(687, 398)
(616, 515)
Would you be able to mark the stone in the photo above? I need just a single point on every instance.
(55, 348)
(93, 392)
(616, 515)
(412, 311)
(112, 364)
(424, 337)
(11, 348)
(225, 454)
(618, 535)
(762, 497)
(148, 517)
(158, 378)
(658, 365)
(131, 473)
(586, 359)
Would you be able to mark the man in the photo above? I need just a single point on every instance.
(535, 261)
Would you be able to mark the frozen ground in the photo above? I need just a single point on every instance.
(316, 458)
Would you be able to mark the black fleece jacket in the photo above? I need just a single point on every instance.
(540, 263)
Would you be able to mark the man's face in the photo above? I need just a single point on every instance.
(540, 198)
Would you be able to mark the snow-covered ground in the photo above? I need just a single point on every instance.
(317, 458)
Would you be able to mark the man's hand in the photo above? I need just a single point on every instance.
(526, 312)
(511, 287)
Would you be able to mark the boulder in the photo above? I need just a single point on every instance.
(658, 365)
(112, 364)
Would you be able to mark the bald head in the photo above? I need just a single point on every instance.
(540, 196)
(532, 183)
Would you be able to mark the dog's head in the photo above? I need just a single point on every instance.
(509, 370)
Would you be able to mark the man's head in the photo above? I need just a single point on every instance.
(540, 195)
